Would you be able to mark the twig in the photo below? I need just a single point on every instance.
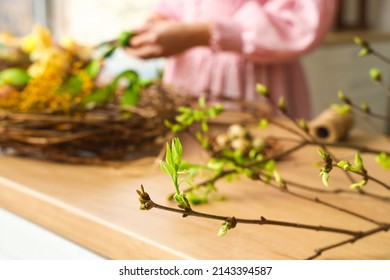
(318, 252)
(147, 203)
(261, 221)
(334, 191)
(379, 55)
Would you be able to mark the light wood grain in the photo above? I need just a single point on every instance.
(97, 207)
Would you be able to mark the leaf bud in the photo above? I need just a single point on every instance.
(282, 104)
(375, 74)
(262, 90)
(360, 42)
(343, 98)
(365, 107)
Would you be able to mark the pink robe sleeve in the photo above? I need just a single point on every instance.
(276, 30)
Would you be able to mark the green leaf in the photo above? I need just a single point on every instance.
(183, 109)
(263, 123)
(223, 230)
(182, 118)
(94, 67)
(178, 146)
(262, 90)
(124, 38)
(72, 85)
(359, 41)
(342, 109)
(303, 125)
(365, 107)
(325, 157)
(166, 168)
(197, 199)
(270, 166)
(132, 91)
(359, 162)
(187, 181)
(204, 141)
(215, 164)
(131, 96)
(282, 104)
(198, 115)
(168, 124)
(145, 82)
(278, 179)
(343, 98)
(228, 224)
(168, 156)
(213, 112)
(375, 74)
(177, 151)
(218, 108)
(344, 164)
(322, 153)
(325, 177)
(359, 184)
(177, 128)
(202, 102)
(182, 201)
(253, 153)
(97, 97)
(363, 52)
(107, 50)
(205, 127)
(384, 160)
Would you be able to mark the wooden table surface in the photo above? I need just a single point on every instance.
(97, 207)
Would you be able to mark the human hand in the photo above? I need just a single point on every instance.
(162, 38)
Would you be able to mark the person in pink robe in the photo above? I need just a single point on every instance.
(225, 47)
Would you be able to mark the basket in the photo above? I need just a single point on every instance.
(106, 134)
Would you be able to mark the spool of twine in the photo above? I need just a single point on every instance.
(331, 125)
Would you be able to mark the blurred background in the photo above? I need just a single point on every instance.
(330, 68)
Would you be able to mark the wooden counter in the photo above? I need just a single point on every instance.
(97, 207)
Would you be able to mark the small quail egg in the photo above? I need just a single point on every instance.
(237, 131)
(222, 140)
(259, 143)
(240, 144)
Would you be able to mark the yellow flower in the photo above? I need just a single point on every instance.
(43, 36)
(29, 43)
(48, 58)
(53, 72)
(70, 45)
(39, 39)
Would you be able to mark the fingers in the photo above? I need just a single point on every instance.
(145, 52)
(142, 39)
(144, 45)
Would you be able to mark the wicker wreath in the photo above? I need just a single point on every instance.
(93, 137)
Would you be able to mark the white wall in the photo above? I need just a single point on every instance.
(91, 21)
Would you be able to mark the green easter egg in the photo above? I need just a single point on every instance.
(14, 77)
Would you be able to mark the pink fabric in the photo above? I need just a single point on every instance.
(252, 41)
